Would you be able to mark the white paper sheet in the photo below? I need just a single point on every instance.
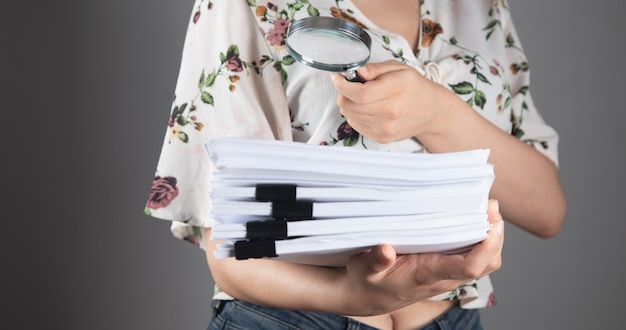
(237, 231)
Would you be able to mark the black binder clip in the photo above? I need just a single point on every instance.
(292, 210)
(269, 192)
(255, 249)
(266, 229)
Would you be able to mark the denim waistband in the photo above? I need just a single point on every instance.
(237, 314)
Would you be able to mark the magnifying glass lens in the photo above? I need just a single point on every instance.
(330, 44)
(334, 50)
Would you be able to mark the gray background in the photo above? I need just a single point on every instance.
(86, 88)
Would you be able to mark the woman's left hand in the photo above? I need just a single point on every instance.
(395, 102)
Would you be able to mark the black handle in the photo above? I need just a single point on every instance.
(353, 76)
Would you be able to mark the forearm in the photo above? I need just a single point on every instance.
(527, 183)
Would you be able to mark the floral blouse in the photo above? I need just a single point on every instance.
(237, 79)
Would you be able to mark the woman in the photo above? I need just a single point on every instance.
(462, 83)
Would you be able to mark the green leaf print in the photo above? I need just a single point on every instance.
(278, 66)
(210, 80)
(181, 120)
(201, 80)
(288, 60)
(183, 137)
(480, 99)
(351, 141)
(207, 98)
(482, 78)
(232, 51)
(489, 35)
(523, 90)
(510, 41)
(207, 81)
(507, 103)
(312, 11)
(178, 110)
(492, 24)
(463, 88)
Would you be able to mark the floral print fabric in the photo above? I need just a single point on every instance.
(237, 79)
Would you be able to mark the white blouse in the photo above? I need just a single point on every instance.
(237, 79)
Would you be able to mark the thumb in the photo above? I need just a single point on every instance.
(380, 258)
(375, 261)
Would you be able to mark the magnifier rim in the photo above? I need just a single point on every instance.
(331, 24)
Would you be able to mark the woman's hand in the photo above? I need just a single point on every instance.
(373, 283)
(384, 281)
(396, 101)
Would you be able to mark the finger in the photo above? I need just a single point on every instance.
(370, 92)
(495, 217)
(486, 256)
(482, 259)
(493, 210)
(377, 260)
(352, 93)
(371, 71)
(361, 125)
(382, 258)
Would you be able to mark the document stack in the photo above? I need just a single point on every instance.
(320, 205)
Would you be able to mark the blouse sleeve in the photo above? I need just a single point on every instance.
(526, 121)
(227, 86)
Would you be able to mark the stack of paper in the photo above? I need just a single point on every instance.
(320, 205)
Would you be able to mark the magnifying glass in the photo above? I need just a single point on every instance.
(330, 44)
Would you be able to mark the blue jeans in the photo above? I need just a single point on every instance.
(241, 315)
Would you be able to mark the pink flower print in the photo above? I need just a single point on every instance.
(345, 131)
(281, 24)
(233, 63)
(163, 192)
(275, 37)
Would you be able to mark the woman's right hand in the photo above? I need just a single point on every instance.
(381, 281)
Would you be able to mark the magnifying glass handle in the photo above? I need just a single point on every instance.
(353, 76)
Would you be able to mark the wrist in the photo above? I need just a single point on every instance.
(443, 106)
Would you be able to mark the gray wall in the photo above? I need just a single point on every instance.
(85, 93)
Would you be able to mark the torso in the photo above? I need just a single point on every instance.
(401, 17)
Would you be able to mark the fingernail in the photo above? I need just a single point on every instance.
(497, 206)
(332, 76)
